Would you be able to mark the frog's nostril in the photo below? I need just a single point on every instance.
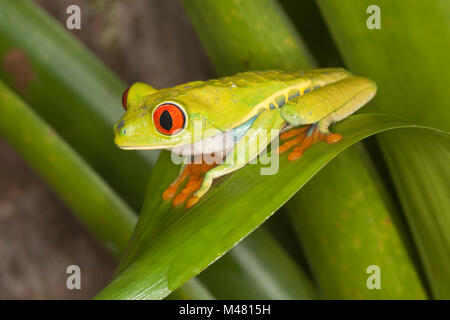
(120, 124)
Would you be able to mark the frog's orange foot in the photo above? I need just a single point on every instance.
(194, 174)
(293, 133)
(192, 200)
(331, 137)
(304, 137)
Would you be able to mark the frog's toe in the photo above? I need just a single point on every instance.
(192, 200)
(297, 152)
(293, 133)
(170, 192)
(297, 135)
(332, 137)
(291, 143)
(305, 137)
(194, 174)
(327, 136)
(301, 139)
(193, 185)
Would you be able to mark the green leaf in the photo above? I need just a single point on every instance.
(356, 231)
(407, 59)
(80, 187)
(409, 62)
(258, 268)
(171, 245)
(419, 164)
(247, 35)
(194, 289)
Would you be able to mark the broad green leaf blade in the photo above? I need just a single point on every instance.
(247, 35)
(93, 201)
(407, 57)
(258, 268)
(427, 198)
(306, 17)
(192, 240)
(281, 227)
(70, 89)
(409, 62)
(356, 231)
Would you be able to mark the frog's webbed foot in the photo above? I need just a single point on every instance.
(194, 174)
(302, 138)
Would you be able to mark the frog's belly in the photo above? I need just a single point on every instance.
(218, 144)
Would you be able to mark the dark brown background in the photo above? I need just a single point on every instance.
(141, 40)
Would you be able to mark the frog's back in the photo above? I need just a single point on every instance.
(244, 95)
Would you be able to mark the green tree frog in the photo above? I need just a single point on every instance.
(299, 106)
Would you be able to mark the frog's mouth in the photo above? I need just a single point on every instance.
(221, 142)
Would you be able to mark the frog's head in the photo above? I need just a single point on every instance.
(152, 122)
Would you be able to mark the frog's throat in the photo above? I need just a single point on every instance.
(221, 143)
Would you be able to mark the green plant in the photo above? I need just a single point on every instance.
(361, 223)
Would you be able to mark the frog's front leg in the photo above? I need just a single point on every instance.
(255, 140)
(320, 109)
(193, 173)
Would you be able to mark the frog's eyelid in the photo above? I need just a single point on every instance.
(125, 98)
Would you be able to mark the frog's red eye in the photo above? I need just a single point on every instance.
(124, 98)
(169, 118)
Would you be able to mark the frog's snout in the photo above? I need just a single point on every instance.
(119, 133)
(128, 134)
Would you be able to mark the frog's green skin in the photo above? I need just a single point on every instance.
(261, 100)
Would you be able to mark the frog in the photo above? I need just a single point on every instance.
(299, 106)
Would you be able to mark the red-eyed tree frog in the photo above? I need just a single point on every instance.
(299, 106)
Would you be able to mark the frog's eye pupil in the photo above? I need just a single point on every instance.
(125, 98)
(165, 120)
(169, 118)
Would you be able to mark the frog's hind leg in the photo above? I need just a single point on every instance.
(347, 109)
(322, 107)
